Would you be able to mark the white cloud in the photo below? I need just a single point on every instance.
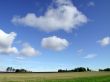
(65, 17)
(90, 56)
(91, 4)
(105, 41)
(27, 50)
(54, 43)
(6, 42)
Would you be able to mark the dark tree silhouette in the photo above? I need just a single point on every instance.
(106, 69)
(79, 69)
(11, 69)
(88, 69)
(8, 68)
(21, 70)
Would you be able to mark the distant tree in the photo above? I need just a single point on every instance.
(17, 70)
(60, 70)
(106, 69)
(8, 68)
(23, 70)
(11, 69)
(88, 69)
(20, 70)
(72, 70)
(80, 69)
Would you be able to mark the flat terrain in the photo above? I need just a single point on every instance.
(56, 77)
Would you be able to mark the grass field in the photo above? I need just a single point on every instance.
(56, 77)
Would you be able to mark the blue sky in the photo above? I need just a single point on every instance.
(46, 35)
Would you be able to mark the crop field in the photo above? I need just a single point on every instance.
(56, 77)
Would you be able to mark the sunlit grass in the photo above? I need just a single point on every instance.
(56, 77)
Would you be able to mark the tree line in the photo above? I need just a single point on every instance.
(106, 69)
(82, 69)
(78, 69)
(11, 69)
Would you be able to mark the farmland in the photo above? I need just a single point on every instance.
(56, 77)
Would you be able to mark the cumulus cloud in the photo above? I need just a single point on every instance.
(105, 41)
(64, 16)
(6, 42)
(27, 50)
(90, 56)
(54, 43)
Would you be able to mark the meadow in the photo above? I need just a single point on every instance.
(56, 77)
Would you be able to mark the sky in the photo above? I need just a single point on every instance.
(47, 35)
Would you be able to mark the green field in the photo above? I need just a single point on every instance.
(56, 77)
